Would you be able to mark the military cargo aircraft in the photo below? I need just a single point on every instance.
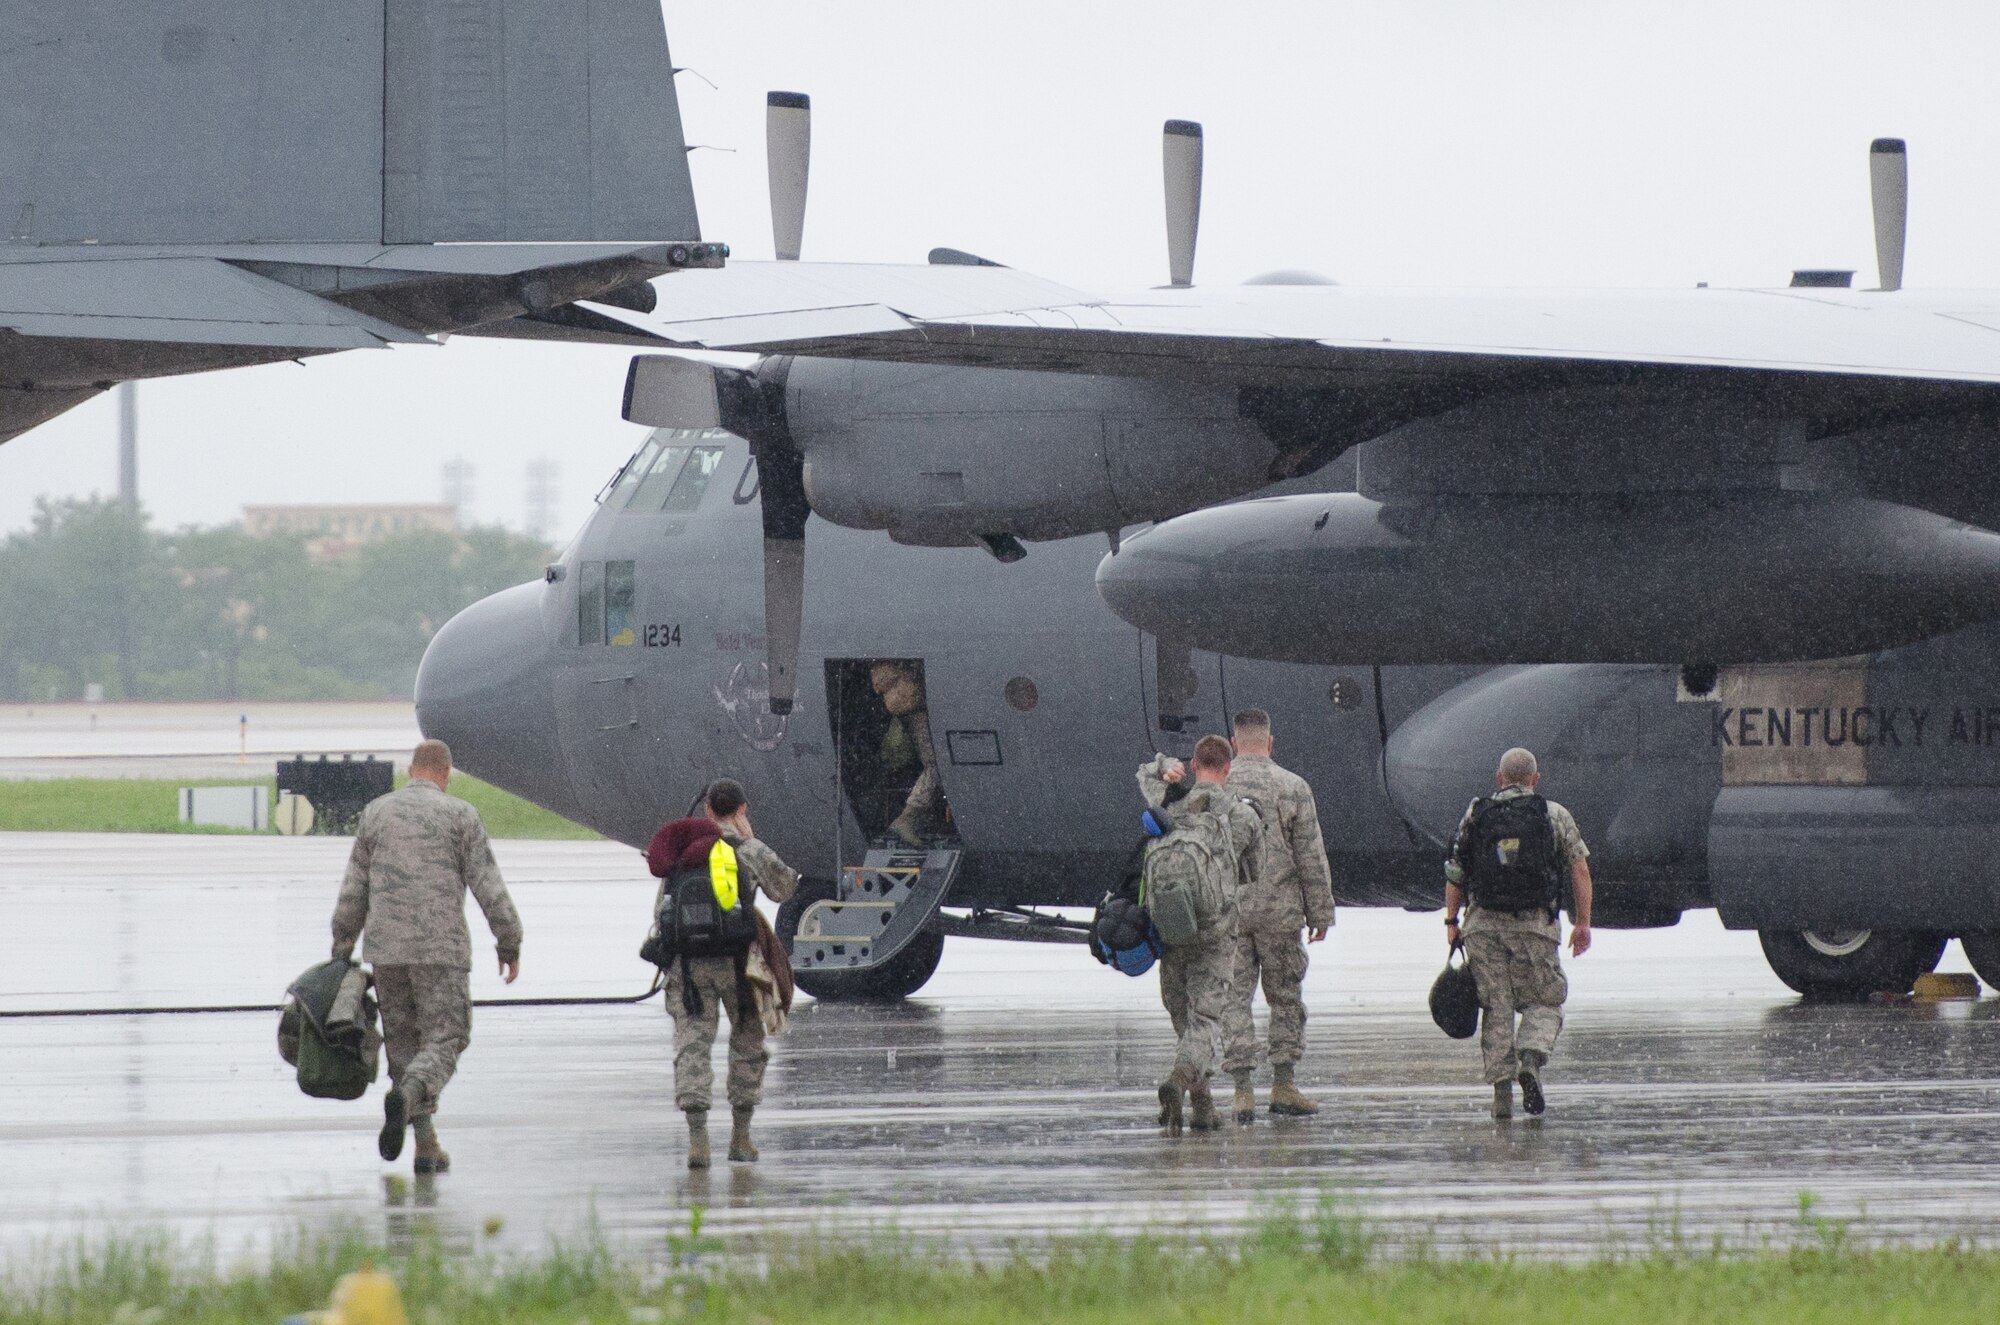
(1725, 559)
(226, 182)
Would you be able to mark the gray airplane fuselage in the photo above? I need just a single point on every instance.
(624, 736)
(1833, 794)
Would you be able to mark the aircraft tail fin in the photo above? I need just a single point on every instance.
(340, 121)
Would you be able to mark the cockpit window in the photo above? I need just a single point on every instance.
(685, 495)
(656, 480)
(628, 478)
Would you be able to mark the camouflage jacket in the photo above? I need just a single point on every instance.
(416, 853)
(760, 866)
(1295, 889)
(1245, 827)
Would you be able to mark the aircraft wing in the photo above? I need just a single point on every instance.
(996, 317)
(185, 300)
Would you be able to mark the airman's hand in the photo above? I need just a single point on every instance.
(1173, 772)
(1579, 940)
(740, 821)
(509, 971)
(1316, 934)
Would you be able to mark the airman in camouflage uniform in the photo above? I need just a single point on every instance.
(1194, 977)
(1515, 955)
(716, 983)
(417, 852)
(1293, 892)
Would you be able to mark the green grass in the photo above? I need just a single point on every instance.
(1322, 1266)
(152, 805)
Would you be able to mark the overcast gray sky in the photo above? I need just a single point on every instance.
(1415, 143)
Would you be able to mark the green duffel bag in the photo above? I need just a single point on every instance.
(328, 1030)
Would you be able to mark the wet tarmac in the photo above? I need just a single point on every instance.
(193, 740)
(1692, 1094)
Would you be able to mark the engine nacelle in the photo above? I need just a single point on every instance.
(944, 456)
(1748, 575)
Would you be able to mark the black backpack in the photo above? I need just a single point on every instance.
(1508, 853)
(694, 924)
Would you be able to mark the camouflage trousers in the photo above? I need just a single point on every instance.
(1194, 985)
(1519, 971)
(714, 980)
(1279, 957)
(426, 1025)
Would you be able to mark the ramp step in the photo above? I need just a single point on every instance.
(884, 903)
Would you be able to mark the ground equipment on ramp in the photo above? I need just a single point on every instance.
(338, 790)
(880, 907)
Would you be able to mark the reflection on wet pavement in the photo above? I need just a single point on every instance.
(1691, 1092)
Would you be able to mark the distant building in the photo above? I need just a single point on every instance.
(331, 531)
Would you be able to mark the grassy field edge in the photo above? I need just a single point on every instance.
(1322, 1262)
(152, 805)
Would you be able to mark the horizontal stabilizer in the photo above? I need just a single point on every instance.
(194, 301)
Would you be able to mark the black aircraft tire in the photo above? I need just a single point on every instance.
(1850, 964)
(1983, 951)
(898, 978)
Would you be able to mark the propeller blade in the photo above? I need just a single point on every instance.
(781, 489)
(1182, 159)
(787, 156)
(1889, 185)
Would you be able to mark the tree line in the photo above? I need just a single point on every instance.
(93, 594)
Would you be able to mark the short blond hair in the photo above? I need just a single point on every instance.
(430, 757)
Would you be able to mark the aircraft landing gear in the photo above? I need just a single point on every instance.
(1983, 951)
(1850, 963)
(898, 978)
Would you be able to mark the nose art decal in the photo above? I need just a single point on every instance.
(746, 698)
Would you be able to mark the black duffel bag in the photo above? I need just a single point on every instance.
(1455, 997)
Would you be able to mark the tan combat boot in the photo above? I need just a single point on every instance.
(1202, 1116)
(1285, 1098)
(697, 1138)
(740, 1147)
(1245, 1104)
(908, 827)
(1177, 1084)
(431, 1157)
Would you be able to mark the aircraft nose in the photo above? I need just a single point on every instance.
(485, 689)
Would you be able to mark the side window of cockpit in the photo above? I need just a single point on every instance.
(590, 603)
(607, 602)
(621, 592)
(686, 494)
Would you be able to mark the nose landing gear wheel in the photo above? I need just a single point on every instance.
(1833, 963)
(899, 977)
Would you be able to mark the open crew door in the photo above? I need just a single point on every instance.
(886, 753)
(892, 883)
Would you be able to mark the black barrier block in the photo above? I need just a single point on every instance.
(338, 789)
